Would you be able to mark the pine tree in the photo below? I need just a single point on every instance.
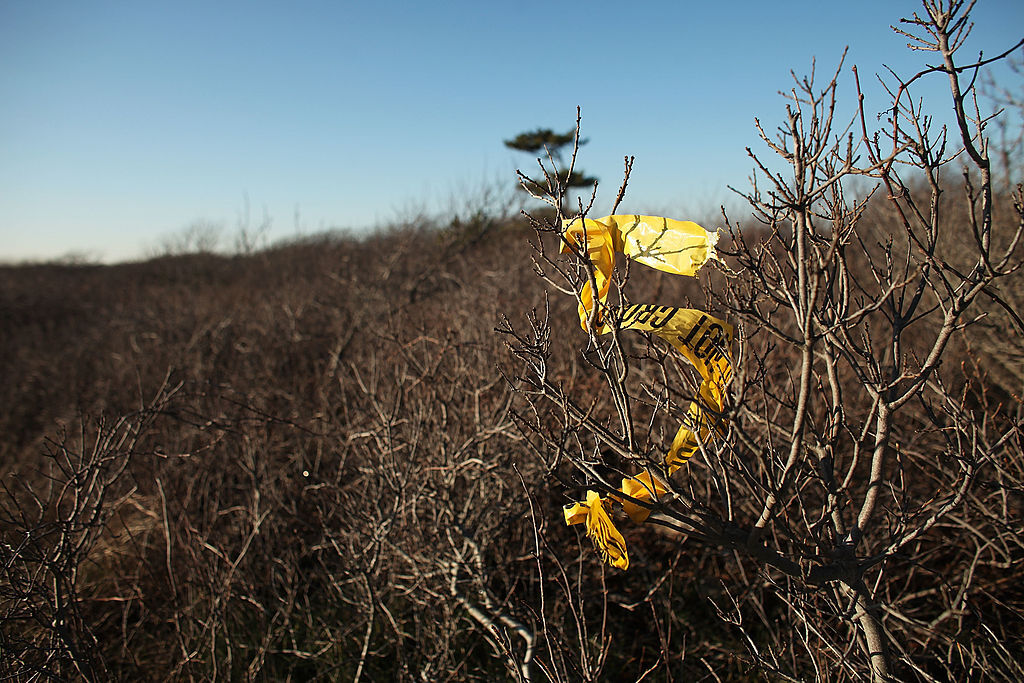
(546, 141)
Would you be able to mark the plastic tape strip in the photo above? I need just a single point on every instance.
(680, 248)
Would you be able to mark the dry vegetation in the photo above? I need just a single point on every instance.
(345, 459)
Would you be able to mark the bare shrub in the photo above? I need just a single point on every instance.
(867, 487)
(199, 237)
(51, 522)
(329, 487)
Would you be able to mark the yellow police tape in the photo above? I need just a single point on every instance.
(681, 248)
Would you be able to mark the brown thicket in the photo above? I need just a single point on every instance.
(320, 461)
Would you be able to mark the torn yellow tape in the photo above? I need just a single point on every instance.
(704, 341)
(600, 529)
(642, 487)
(677, 247)
(681, 248)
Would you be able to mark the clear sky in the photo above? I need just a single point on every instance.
(122, 122)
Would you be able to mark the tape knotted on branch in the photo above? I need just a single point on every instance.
(680, 248)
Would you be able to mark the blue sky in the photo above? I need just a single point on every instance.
(123, 122)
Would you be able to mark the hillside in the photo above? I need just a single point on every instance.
(303, 462)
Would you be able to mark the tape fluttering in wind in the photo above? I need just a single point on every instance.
(680, 248)
(677, 247)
